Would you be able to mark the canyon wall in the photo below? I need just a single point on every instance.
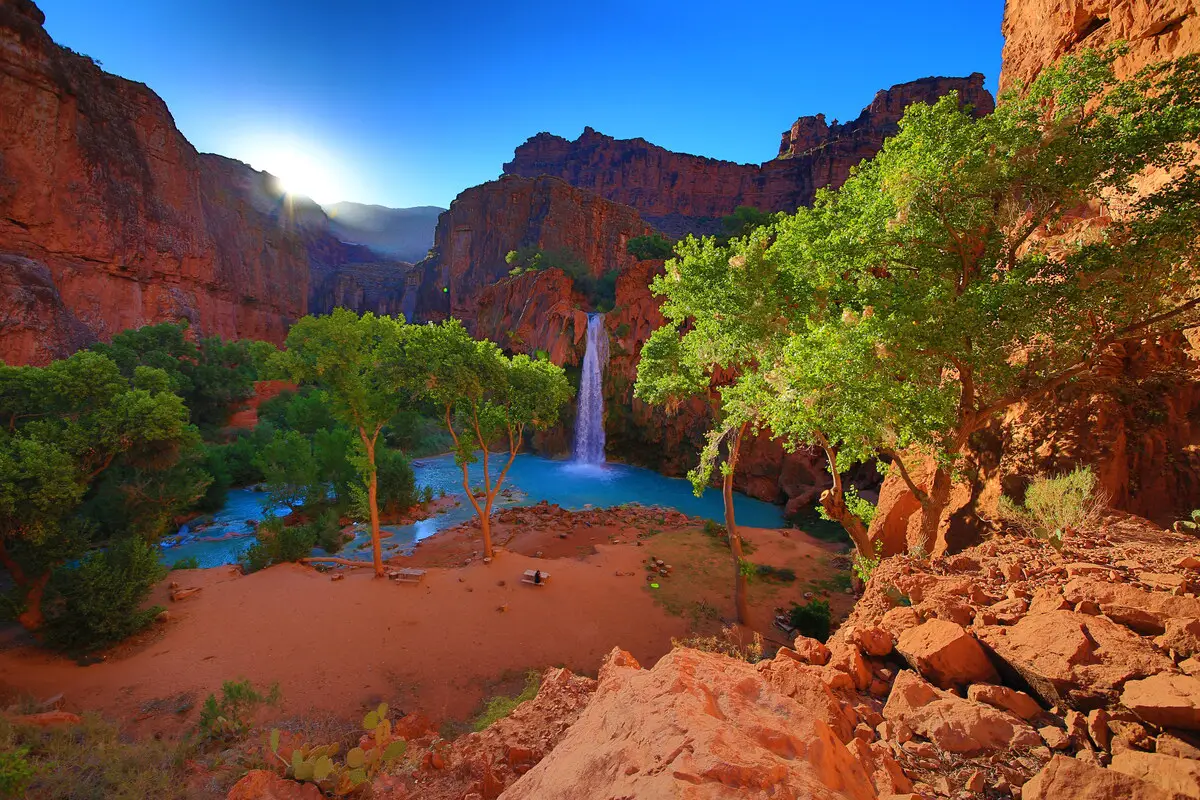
(1039, 32)
(486, 222)
(110, 219)
(684, 193)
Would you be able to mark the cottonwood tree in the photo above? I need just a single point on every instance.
(957, 250)
(488, 401)
(61, 428)
(359, 362)
(728, 310)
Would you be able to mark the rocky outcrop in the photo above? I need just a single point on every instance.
(486, 222)
(110, 219)
(1039, 32)
(678, 192)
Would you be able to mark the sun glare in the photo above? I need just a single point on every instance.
(302, 173)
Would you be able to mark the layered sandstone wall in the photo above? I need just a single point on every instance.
(486, 222)
(679, 192)
(110, 219)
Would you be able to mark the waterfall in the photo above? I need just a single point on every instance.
(589, 415)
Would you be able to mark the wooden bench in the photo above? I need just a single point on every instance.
(527, 577)
(408, 575)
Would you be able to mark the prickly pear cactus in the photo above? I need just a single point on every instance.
(361, 764)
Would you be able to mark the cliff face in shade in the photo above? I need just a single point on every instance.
(678, 192)
(486, 222)
(110, 219)
(1039, 32)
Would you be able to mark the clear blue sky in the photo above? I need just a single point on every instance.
(407, 104)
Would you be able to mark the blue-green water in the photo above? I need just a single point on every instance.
(531, 480)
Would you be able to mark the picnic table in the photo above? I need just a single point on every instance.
(408, 575)
(528, 577)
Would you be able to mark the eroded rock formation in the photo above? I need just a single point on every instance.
(110, 219)
(677, 192)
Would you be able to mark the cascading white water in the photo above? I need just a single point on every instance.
(589, 414)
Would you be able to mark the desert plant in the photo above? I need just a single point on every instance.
(275, 544)
(777, 574)
(316, 765)
(498, 707)
(1191, 525)
(189, 562)
(1056, 506)
(98, 601)
(227, 719)
(727, 643)
(15, 772)
(812, 619)
(865, 563)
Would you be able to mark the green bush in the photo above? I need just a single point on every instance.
(776, 574)
(15, 771)
(1054, 506)
(651, 246)
(498, 707)
(228, 719)
(396, 486)
(98, 601)
(191, 562)
(276, 544)
(813, 619)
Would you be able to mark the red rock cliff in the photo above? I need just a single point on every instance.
(110, 219)
(1039, 32)
(673, 189)
(485, 222)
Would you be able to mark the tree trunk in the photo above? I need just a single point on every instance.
(373, 502)
(35, 590)
(31, 618)
(932, 508)
(834, 502)
(740, 601)
(485, 526)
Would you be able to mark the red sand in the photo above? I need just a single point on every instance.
(340, 646)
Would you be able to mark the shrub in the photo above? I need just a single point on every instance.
(653, 245)
(88, 761)
(326, 532)
(1190, 525)
(498, 707)
(1058, 505)
(275, 544)
(865, 563)
(227, 719)
(98, 601)
(15, 772)
(397, 486)
(812, 619)
(191, 562)
(775, 574)
(728, 643)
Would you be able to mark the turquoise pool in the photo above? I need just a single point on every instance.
(531, 480)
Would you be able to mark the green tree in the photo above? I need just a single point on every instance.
(488, 401)
(952, 253)
(290, 470)
(723, 306)
(744, 220)
(210, 375)
(359, 362)
(650, 246)
(61, 428)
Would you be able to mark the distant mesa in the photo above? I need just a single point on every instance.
(679, 193)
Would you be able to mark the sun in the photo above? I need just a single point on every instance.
(302, 172)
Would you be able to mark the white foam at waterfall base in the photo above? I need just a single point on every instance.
(589, 413)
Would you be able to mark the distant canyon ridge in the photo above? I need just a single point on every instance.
(110, 219)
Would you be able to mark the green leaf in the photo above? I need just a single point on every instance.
(395, 750)
(275, 740)
(304, 771)
(370, 721)
(322, 768)
(355, 757)
(358, 776)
